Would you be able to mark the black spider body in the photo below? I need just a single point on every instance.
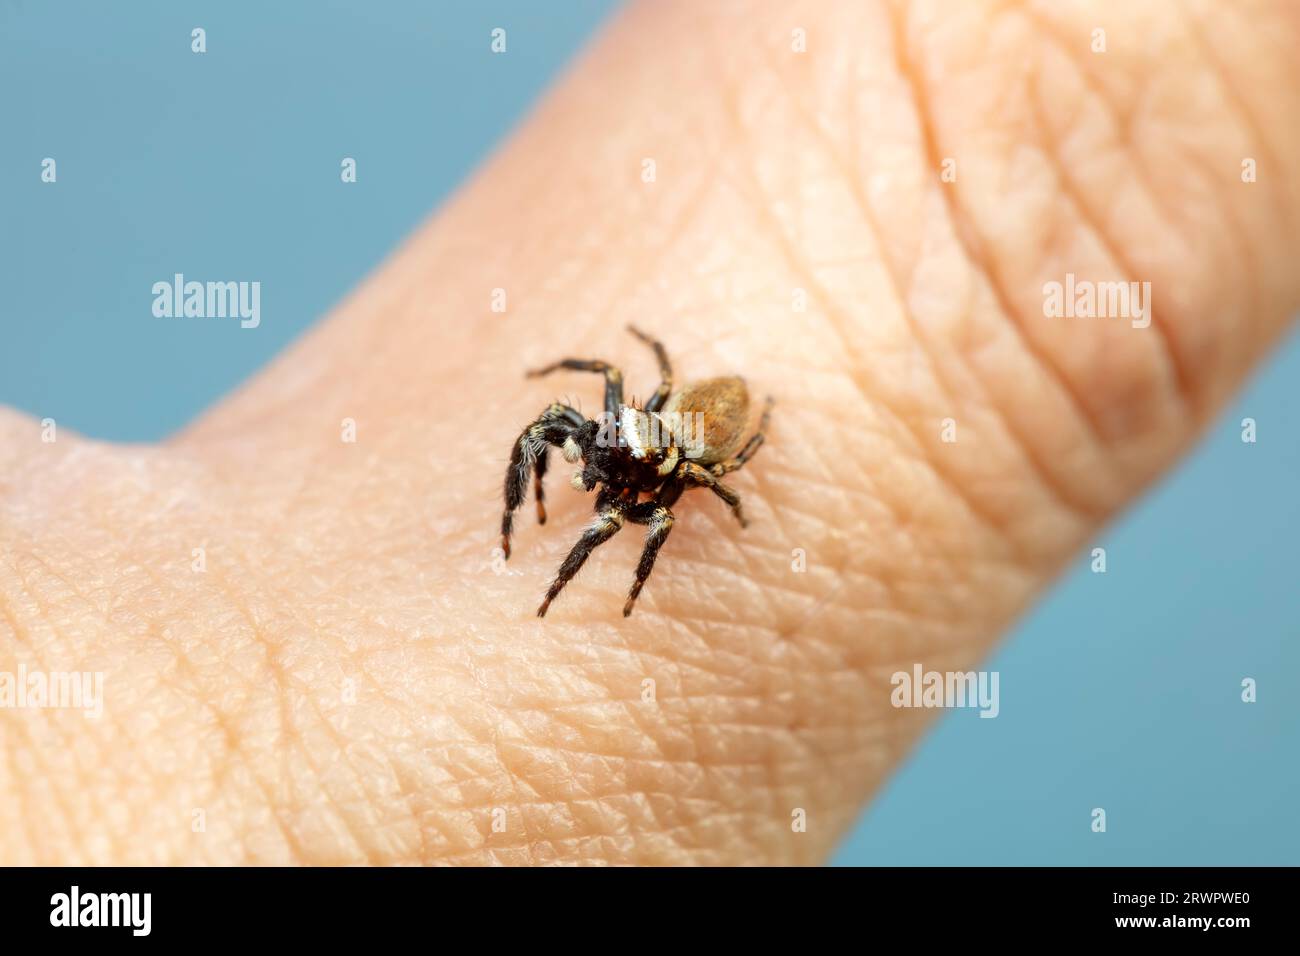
(640, 459)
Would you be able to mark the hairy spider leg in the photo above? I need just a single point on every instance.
(539, 472)
(660, 396)
(696, 475)
(608, 521)
(613, 379)
(737, 461)
(552, 427)
(660, 521)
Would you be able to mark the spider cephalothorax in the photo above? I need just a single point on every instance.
(677, 441)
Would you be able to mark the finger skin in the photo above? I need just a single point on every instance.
(352, 678)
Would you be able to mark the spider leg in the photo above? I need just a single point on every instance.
(539, 472)
(737, 461)
(660, 521)
(660, 396)
(606, 525)
(552, 427)
(613, 378)
(697, 475)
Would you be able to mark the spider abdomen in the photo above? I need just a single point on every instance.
(709, 417)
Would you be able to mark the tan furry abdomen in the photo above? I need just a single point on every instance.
(724, 405)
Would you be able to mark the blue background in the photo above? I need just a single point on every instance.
(1122, 690)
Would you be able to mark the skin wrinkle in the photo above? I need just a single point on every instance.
(43, 608)
(236, 753)
(839, 324)
(349, 826)
(1237, 348)
(556, 814)
(511, 756)
(445, 820)
(518, 786)
(1072, 193)
(233, 740)
(1115, 106)
(820, 486)
(1048, 481)
(1224, 213)
(155, 631)
(679, 838)
(34, 750)
(342, 745)
(898, 284)
(16, 632)
(316, 627)
(399, 776)
(964, 228)
(522, 792)
(1240, 104)
(409, 787)
(863, 205)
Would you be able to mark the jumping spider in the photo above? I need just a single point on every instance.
(673, 443)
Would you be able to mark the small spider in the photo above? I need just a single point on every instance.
(658, 451)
